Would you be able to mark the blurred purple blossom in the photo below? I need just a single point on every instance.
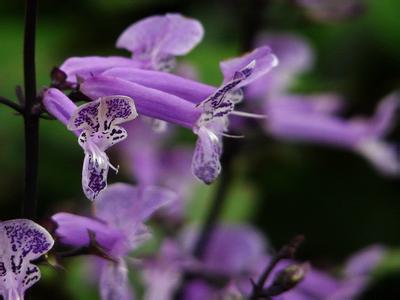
(22, 242)
(237, 253)
(314, 119)
(295, 57)
(118, 227)
(152, 162)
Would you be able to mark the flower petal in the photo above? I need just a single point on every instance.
(187, 89)
(94, 175)
(22, 241)
(114, 282)
(126, 207)
(116, 110)
(158, 37)
(295, 56)
(86, 117)
(59, 105)
(149, 102)
(384, 119)
(85, 67)
(264, 59)
(73, 230)
(205, 163)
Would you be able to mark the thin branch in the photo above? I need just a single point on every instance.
(11, 104)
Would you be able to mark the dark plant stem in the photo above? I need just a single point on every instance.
(286, 252)
(31, 116)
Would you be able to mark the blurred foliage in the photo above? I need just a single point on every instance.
(332, 197)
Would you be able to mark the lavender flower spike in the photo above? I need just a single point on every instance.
(99, 120)
(22, 241)
(156, 40)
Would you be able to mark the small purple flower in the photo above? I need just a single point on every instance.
(98, 121)
(313, 119)
(22, 241)
(153, 41)
(156, 40)
(119, 228)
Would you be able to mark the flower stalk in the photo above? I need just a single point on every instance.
(30, 113)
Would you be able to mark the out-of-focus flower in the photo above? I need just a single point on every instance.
(237, 253)
(295, 57)
(22, 241)
(313, 119)
(99, 121)
(332, 10)
(119, 228)
(153, 41)
(152, 162)
(169, 97)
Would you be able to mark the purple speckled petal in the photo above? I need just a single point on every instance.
(264, 59)
(22, 241)
(205, 163)
(94, 174)
(159, 38)
(114, 281)
(85, 67)
(149, 102)
(86, 117)
(73, 230)
(59, 105)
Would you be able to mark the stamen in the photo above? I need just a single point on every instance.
(248, 115)
(234, 136)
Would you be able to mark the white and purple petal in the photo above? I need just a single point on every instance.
(205, 162)
(22, 241)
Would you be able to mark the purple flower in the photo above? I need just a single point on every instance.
(313, 119)
(119, 228)
(238, 253)
(153, 41)
(22, 241)
(156, 40)
(169, 97)
(98, 121)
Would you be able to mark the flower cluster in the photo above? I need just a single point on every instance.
(137, 102)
